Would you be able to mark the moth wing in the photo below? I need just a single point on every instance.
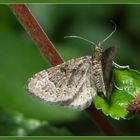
(86, 94)
(107, 57)
(60, 84)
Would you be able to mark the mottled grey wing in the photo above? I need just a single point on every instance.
(107, 57)
(85, 95)
(67, 84)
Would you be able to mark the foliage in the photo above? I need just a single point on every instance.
(20, 59)
(16, 124)
(127, 88)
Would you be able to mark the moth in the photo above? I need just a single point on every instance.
(75, 83)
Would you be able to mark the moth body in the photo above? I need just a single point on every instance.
(75, 83)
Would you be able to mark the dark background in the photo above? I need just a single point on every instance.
(20, 59)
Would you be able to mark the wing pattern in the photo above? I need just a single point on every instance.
(69, 84)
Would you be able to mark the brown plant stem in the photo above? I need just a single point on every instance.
(41, 40)
(37, 34)
(101, 121)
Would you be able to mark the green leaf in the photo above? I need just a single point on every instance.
(15, 124)
(48, 130)
(127, 83)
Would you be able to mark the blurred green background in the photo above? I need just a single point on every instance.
(21, 114)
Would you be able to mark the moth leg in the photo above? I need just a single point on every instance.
(119, 66)
(117, 87)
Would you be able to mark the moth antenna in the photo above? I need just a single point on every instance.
(72, 36)
(115, 27)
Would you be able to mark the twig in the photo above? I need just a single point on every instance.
(101, 121)
(41, 40)
(39, 37)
